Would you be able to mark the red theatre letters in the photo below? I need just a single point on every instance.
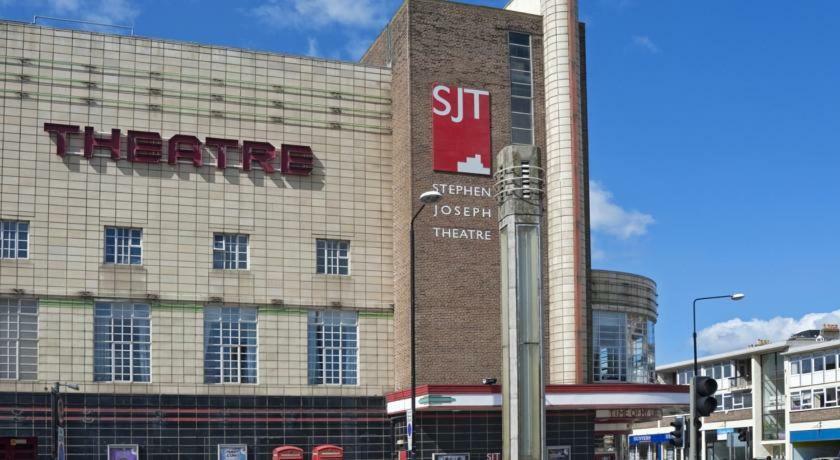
(461, 129)
(148, 147)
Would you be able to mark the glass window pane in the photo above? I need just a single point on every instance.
(520, 64)
(519, 38)
(518, 89)
(522, 105)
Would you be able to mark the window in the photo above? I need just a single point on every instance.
(819, 398)
(806, 365)
(794, 367)
(727, 371)
(15, 239)
(830, 362)
(18, 339)
(230, 345)
(795, 401)
(609, 346)
(333, 257)
(123, 246)
(830, 397)
(806, 399)
(818, 363)
(230, 251)
(521, 88)
(122, 342)
(333, 348)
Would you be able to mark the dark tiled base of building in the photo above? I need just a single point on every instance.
(191, 427)
(479, 433)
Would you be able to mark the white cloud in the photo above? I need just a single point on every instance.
(737, 333)
(312, 47)
(646, 43)
(608, 217)
(319, 13)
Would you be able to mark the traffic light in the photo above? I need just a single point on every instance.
(677, 437)
(704, 400)
(743, 434)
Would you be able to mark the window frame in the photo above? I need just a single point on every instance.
(239, 352)
(14, 344)
(125, 247)
(318, 369)
(132, 349)
(14, 241)
(529, 63)
(237, 252)
(323, 253)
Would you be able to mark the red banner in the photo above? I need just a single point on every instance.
(461, 130)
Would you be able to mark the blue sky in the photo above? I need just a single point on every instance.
(714, 132)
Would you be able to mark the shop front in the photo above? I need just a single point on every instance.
(650, 447)
(726, 444)
(815, 443)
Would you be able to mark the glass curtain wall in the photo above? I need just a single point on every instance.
(773, 397)
(623, 347)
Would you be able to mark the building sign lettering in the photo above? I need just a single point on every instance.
(151, 148)
(454, 210)
(461, 130)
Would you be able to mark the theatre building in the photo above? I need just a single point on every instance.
(206, 251)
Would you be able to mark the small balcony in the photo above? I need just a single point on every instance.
(739, 383)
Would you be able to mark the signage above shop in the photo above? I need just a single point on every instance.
(461, 130)
(150, 147)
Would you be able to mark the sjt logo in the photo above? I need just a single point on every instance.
(461, 129)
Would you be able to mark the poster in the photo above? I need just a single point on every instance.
(123, 452)
(233, 452)
(559, 452)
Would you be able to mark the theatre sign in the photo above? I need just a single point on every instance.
(150, 148)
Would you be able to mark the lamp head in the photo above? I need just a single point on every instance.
(432, 196)
(737, 296)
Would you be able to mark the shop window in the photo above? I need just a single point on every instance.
(332, 257)
(122, 342)
(333, 347)
(521, 88)
(18, 339)
(123, 246)
(14, 239)
(230, 345)
(230, 251)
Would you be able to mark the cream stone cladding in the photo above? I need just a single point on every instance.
(341, 110)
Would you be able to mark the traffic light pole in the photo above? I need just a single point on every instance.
(692, 435)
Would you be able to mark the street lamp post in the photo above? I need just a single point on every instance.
(693, 451)
(425, 198)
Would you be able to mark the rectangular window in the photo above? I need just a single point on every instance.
(18, 339)
(727, 371)
(830, 397)
(521, 91)
(795, 401)
(794, 367)
(230, 345)
(830, 362)
(818, 363)
(14, 239)
(230, 251)
(123, 246)
(806, 399)
(806, 365)
(332, 257)
(122, 339)
(819, 398)
(333, 347)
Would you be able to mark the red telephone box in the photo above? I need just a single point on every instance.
(287, 453)
(327, 451)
